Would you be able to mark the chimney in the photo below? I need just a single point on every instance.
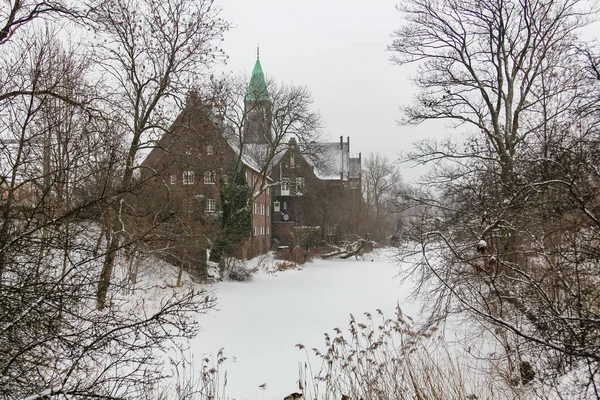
(192, 99)
(348, 144)
(341, 142)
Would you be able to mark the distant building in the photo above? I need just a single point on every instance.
(26, 176)
(183, 174)
(321, 190)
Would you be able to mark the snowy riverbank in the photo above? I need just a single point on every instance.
(260, 322)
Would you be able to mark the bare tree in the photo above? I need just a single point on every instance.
(54, 341)
(261, 129)
(68, 146)
(381, 184)
(17, 14)
(152, 52)
(259, 119)
(510, 206)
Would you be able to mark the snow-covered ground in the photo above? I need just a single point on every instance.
(260, 322)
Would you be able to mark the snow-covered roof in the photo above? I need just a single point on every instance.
(331, 160)
(327, 165)
(254, 155)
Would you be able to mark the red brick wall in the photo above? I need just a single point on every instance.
(261, 217)
(185, 148)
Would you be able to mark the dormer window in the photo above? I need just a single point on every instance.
(276, 206)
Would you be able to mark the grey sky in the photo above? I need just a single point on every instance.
(338, 49)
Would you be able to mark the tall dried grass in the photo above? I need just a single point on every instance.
(186, 383)
(384, 359)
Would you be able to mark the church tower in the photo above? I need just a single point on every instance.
(257, 104)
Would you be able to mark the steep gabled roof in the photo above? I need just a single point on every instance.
(331, 160)
(257, 88)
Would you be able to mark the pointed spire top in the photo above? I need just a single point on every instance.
(257, 89)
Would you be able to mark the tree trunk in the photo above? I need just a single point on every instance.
(107, 269)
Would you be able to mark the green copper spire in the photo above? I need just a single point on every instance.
(257, 89)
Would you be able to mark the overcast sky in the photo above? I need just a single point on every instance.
(338, 49)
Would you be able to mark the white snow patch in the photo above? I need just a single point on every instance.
(260, 322)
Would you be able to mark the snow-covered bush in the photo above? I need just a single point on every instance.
(235, 270)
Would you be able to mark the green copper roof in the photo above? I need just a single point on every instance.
(257, 89)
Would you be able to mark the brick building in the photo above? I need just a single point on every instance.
(322, 192)
(199, 154)
(184, 173)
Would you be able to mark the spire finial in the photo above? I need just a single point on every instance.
(257, 52)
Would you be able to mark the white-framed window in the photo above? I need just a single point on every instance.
(210, 150)
(262, 209)
(173, 179)
(254, 208)
(285, 205)
(285, 187)
(268, 230)
(299, 186)
(276, 206)
(188, 177)
(254, 231)
(268, 210)
(211, 205)
(210, 177)
(262, 230)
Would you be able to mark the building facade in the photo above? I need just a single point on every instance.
(185, 172)
(184, 175)
(321, 191)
